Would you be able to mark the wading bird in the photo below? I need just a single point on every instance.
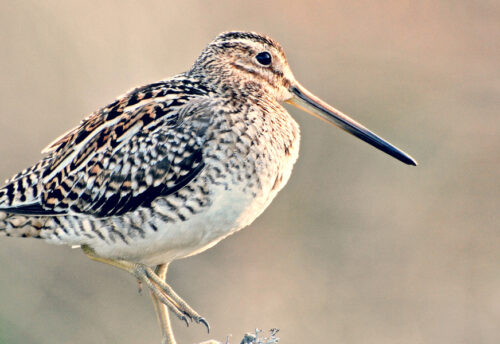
(169, 169)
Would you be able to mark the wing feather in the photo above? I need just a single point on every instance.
(145, 145)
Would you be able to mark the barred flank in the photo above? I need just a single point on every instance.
(13, 225)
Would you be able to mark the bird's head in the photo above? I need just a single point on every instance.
(248, 63)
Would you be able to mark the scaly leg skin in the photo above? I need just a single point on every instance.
(159, 289)
(167, 335)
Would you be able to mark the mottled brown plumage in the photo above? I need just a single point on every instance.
(170, 169)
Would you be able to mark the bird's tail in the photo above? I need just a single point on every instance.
(21, 190)
(14, 225)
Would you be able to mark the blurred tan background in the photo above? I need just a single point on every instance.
(358, 248)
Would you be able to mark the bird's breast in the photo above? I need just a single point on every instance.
(253, 148)
(248, 158)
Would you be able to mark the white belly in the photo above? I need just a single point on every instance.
(230, 211)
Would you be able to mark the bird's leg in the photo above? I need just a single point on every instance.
(167, 335)
(161, 290)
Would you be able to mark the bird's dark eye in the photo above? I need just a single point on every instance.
(264, 58)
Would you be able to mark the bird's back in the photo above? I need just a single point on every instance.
(119, 158)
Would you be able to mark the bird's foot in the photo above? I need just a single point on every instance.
(167, 295)
(159, 288)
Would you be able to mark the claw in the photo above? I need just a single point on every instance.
(185, 320)
(204, 322)
(189, 316)
(164, 294)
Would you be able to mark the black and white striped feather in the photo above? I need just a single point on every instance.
(145, 145)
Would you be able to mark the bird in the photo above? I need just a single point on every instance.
(169, 169)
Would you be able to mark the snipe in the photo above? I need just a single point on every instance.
(169, 169)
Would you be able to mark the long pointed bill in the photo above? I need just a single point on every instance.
(308, 102)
